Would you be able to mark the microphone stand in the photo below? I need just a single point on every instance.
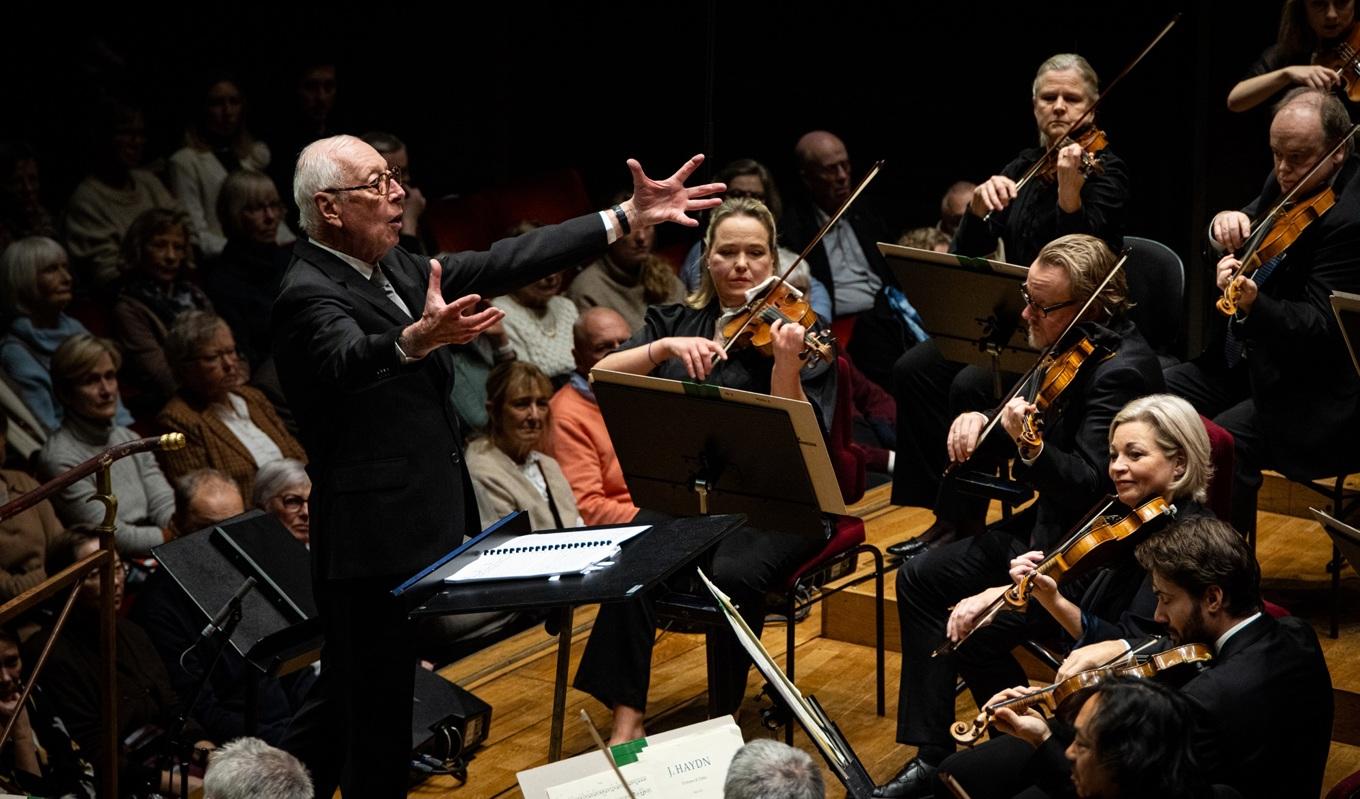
(220, 629)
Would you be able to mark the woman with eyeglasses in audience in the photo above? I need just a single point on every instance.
(282, 488)
(227, 425)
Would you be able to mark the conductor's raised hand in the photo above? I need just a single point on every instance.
(669, 200)
(443, 322)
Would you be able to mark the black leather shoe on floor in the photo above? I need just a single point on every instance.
(916, 779)
(941, 532)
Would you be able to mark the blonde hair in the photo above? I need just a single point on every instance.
(76, 358)
(1180, 434)
(742, 206)
(1087, 260)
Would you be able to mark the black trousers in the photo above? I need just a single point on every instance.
(930, 392)
(930, 584)
(1002, 768)
(1224, 395)
(616, 665)
(357, 733)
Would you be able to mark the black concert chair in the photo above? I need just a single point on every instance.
(1156, 278)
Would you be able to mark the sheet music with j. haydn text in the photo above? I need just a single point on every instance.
(545, 554)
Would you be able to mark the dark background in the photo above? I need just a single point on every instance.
(941, 92)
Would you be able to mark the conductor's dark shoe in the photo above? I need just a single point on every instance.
(916, 779)
(941, 532)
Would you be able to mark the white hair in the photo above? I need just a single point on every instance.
(318, 169)
(19, 267)
(249, 768)
(765, 769)
(275, 476)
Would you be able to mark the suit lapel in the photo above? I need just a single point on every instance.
(345, 275)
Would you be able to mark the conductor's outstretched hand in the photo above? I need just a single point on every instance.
(669, 200)
(442, 322)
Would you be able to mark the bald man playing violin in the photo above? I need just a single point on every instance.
(1276, 373)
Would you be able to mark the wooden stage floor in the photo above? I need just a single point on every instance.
(515, 676)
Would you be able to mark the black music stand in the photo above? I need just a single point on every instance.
(641, 565)
(1346, 308)
(969, 306)
(719, 450)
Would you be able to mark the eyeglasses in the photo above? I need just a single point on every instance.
(1043, 310)
(381, 184)
(293, 502)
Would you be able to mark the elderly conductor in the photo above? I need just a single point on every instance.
(360, 327)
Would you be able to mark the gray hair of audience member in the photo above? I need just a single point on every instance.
(19, 272)
(188, 486)
(1064, 62)
(765, 769)
(242, 189)
(274, 477)
(318, 169)
(191, 330)
(248, 767)
(384, 143)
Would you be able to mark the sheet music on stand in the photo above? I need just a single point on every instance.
(823, 732)
(543, 554)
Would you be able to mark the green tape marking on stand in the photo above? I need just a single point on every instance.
(701, 390)
(975, 264)
(627, 752)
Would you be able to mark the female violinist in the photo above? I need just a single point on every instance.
(681, 342)
(1310, 33)
(1158, 448)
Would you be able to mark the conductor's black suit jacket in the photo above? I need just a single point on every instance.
(390, 492)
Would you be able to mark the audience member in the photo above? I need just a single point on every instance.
(243, 280)
(39, 759)
(228, 425)
(953, 205)
(24, 538)
(22, 213)
(472, 364)
(35, 288)
(106, 202)
(765, 769)
(203, 498)
(308, 118)
(847, 260)
(628, 278)
(283, 489)
(394, 151)
(508, 472)
(538, 321)
(248, 768)
(85, 375)
(925, 238)
(579, 439)
(154, 292)
(147, 705)
(216, 143)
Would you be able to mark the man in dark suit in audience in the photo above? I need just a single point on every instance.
(360, 332)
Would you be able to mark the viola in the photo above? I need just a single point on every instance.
(1344, 57)
(1058, 374)
(1288, 226)
(1093, 142)
(1051, 697)
(1096, 541)
(779, 301)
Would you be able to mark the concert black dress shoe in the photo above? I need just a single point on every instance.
(941, 532)
(914, 781)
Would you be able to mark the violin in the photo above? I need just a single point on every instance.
(1051, 697)
(779, 301)
(1288, 226)
(1344, 57)
(1093, 142)
(1280, 228)
(1095, 542)
(1058, 375)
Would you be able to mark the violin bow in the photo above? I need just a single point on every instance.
(1047, 352)
(826, 228)
(1065, 139)
(1264, 224)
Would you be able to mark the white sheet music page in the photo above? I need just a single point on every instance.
(545, 554)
